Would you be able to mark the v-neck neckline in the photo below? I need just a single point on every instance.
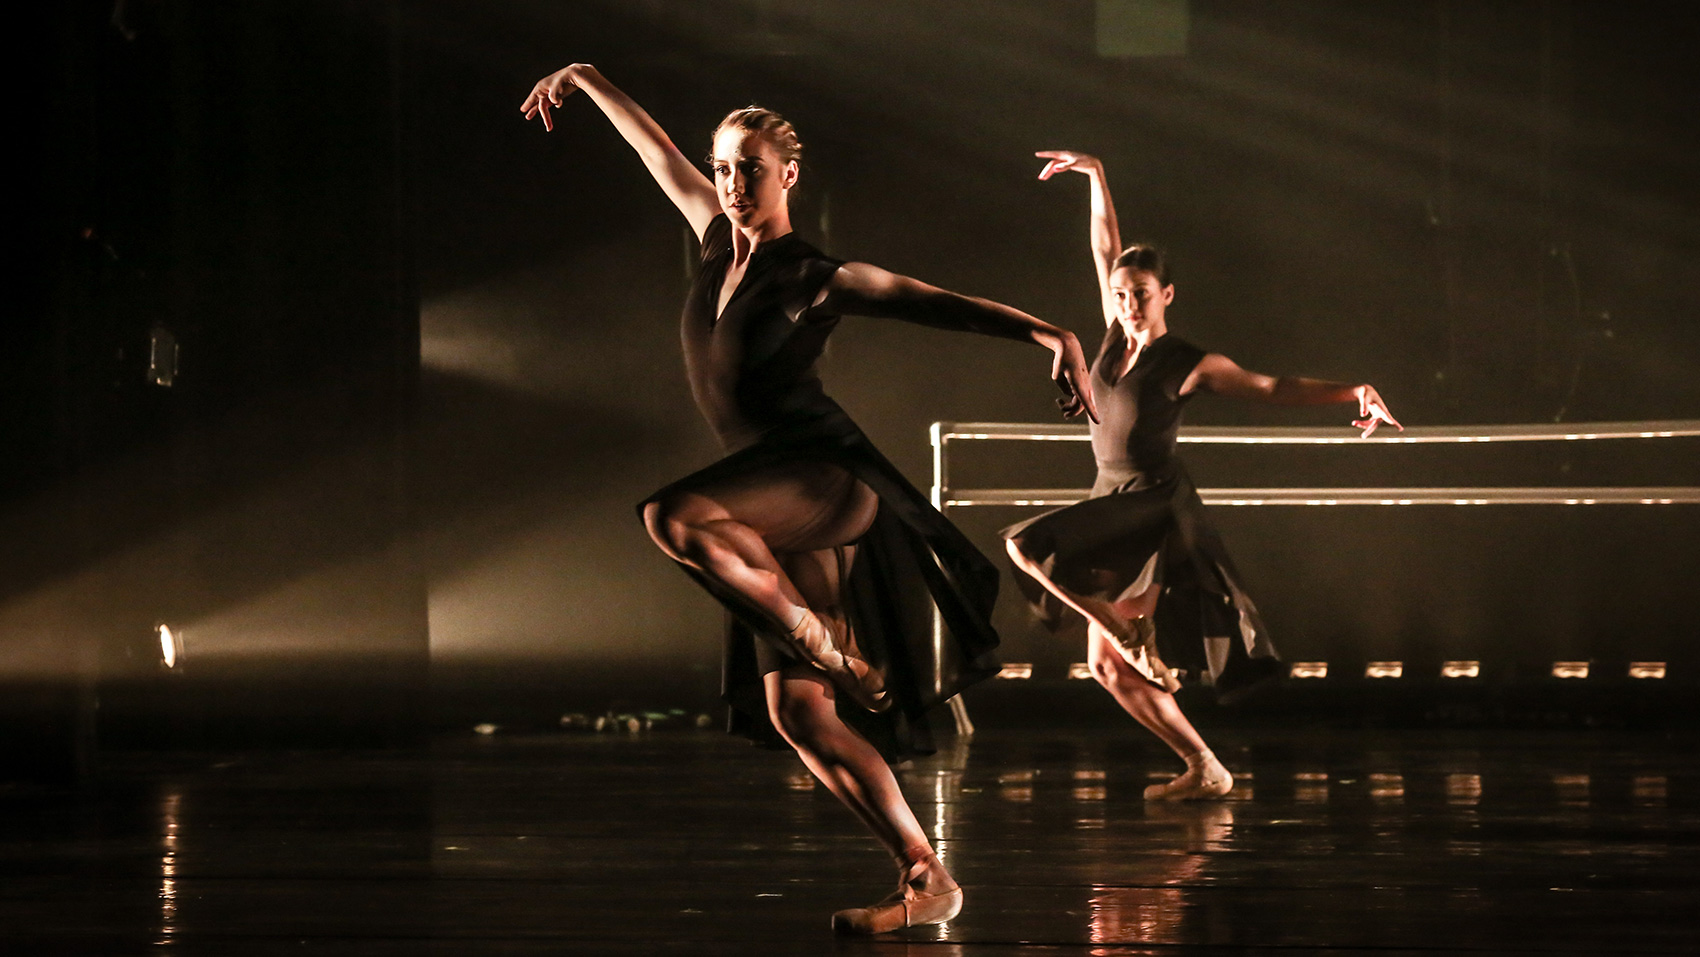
(1140, 357)
(717, 311)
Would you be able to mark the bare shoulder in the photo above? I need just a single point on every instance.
(1211, 373)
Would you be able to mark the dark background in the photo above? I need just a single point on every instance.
(429, 355)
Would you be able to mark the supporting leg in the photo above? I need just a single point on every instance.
(800, 702)
(1205, 777)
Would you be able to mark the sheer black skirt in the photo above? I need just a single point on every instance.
(1208, 628)
(911, 560)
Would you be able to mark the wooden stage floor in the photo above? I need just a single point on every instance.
(690, 842)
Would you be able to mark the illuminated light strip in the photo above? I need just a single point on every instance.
(1532, 495)
(1647, 669)
(1461, 669)
(1282, 435)
(1016, 671)
(1384, 669)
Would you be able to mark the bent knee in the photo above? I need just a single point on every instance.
(663, 520)
(1115, 674)
(1107, 672)
(803, 721)
(1020, 559)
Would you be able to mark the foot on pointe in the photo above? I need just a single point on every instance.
(1203, 779)
(910, 905)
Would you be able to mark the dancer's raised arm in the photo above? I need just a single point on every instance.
(679, 178)
(864, 290)
(1105, 233)
(1219, 374)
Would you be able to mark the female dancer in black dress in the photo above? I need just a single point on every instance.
(1139, 559)
(815, 543)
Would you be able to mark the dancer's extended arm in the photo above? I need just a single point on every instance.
(679, 178)
(1106, 234)
(1219, 374)
(864, 290)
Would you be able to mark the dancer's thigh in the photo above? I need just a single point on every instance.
(794, 507)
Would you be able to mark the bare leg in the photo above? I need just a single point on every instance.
(800, 702)
(1097, 611)
(1151, 706)
(732, 532)
(781, 539)
(1155, 708)
(752, 535)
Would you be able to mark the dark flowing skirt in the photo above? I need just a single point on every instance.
(910, 561)
(1207, 627)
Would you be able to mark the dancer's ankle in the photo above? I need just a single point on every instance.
(922, 871)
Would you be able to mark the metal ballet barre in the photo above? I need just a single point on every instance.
(945, 497)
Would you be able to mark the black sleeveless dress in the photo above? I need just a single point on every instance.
(1145, 524)
(752, 372)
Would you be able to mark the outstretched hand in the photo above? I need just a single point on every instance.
(1068, 371)
(1060, 160)
(1372, 411)
(548, 94)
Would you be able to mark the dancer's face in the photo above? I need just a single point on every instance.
(1140, 299)
(753, 183)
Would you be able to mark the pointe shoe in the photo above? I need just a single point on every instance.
(904, 907)
(1140, 635)
(1196, 784)
(897, 912)
(813, 639)
(1138, 647)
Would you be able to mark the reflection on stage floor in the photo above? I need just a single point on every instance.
(1336, 842)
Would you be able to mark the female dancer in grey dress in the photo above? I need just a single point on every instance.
(813, 541)
(1139, 559)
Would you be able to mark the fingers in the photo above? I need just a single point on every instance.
(1372, 420)
(1077, 395)
(543, 97)
(1051, 169)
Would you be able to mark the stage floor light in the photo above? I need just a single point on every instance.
(1461, 669)
(1384, 669)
